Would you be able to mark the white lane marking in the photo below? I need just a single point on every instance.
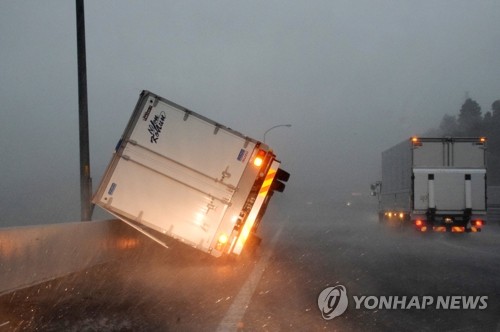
(237, 309)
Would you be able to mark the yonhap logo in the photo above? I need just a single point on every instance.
(332, 302)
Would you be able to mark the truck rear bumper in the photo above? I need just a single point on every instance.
(449, 222)
(456, 229)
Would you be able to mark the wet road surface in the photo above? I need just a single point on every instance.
(306, 247)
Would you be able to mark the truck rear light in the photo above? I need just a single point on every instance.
(221, 242)
(259, 158)
(478, 223)
(258, 161)
(419, 223)
(223, 239)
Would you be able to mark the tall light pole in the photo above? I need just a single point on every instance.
(85, 181)
(280, 125)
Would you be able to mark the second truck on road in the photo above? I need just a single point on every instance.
(436, 183)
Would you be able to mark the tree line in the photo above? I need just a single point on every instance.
(471, 122)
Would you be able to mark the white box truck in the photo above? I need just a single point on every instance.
(177, 173)
(436, 183)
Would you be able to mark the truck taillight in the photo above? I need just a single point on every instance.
(259, 158)
(419, 223)
(221, 242)
(478, 223)
(258, 161)
(223, 239)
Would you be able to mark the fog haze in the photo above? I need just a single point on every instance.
(352, 77)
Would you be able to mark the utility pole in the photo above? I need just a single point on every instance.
(85, 180)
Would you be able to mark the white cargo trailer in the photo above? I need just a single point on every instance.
(188, 177)
(436, 183)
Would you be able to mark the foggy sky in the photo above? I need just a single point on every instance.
(352, 77)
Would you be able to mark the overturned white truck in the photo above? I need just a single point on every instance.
(185, 176)
(436, 183)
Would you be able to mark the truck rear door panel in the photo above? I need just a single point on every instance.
(449, 189)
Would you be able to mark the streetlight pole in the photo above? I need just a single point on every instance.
(85, 181)
(280, 125)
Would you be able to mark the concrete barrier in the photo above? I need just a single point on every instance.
(34, 254)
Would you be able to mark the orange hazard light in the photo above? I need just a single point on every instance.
(259, 158)
(223, 239)
(258, 161)
(415, 141)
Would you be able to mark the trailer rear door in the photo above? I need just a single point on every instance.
(449, 189)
